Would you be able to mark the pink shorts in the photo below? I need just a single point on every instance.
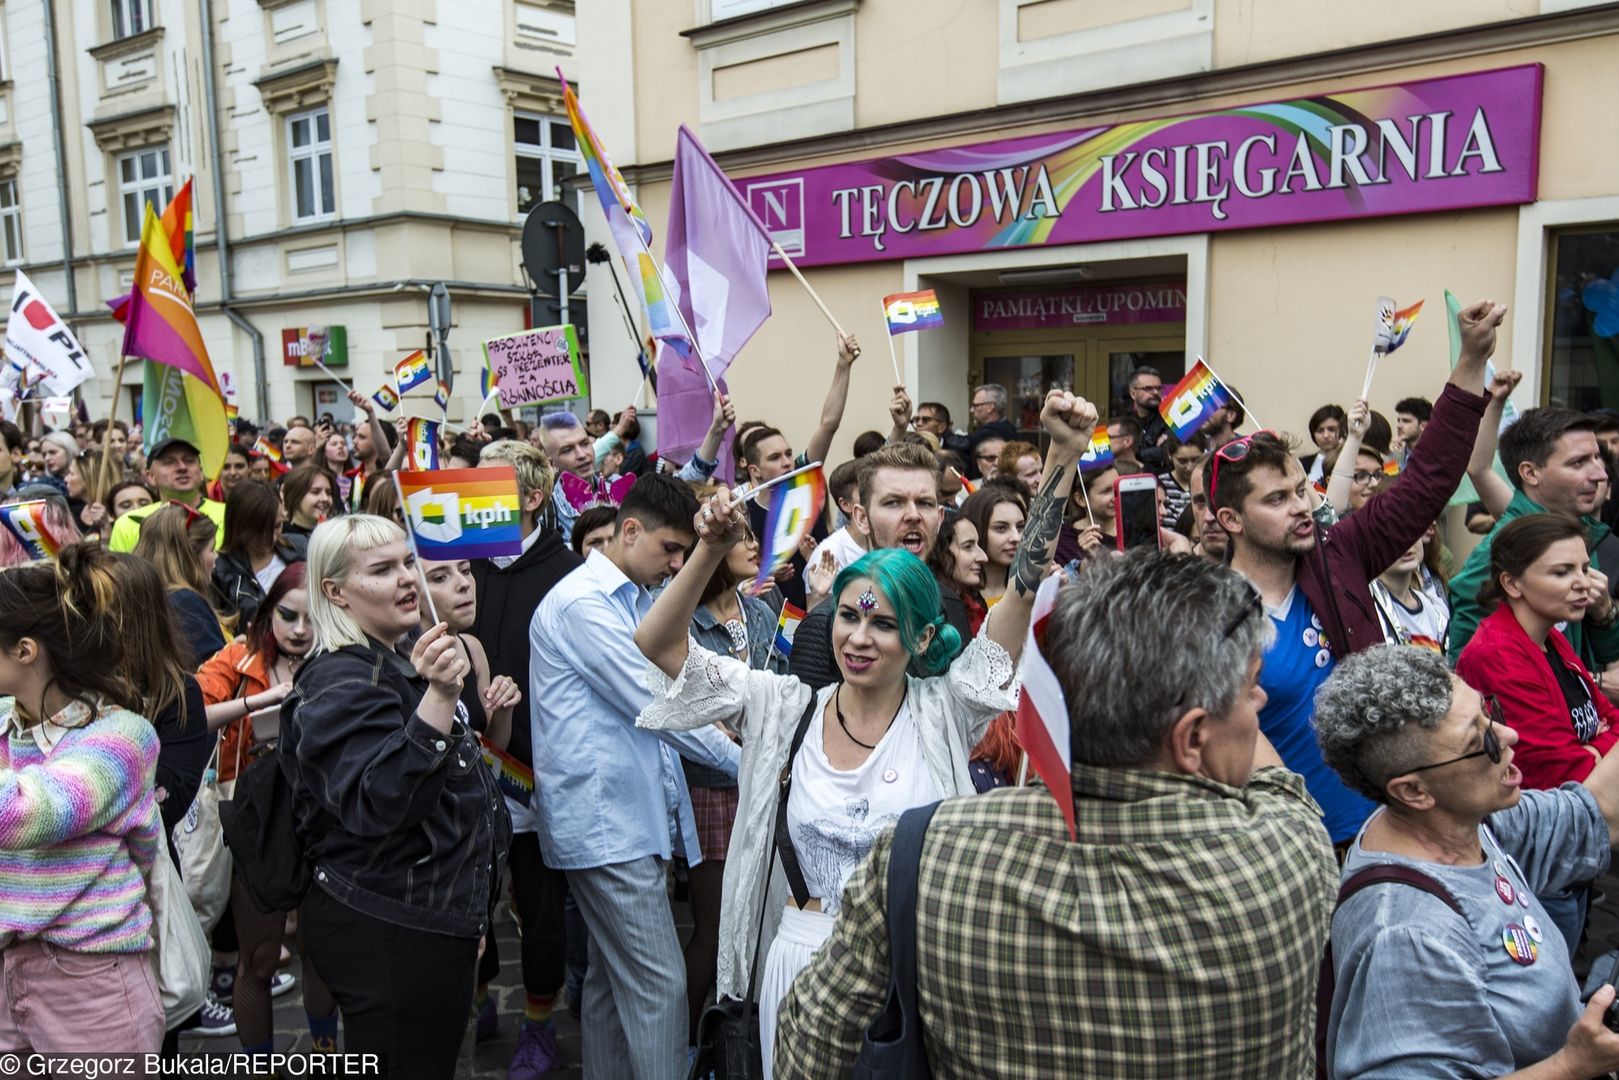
(55, 1000)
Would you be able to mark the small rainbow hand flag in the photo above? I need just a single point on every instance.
(267, 449)
(421, 443)
(412, 371)
(1100, 454)
(386, 396)
(1394, 325)
(787, 626)
(463, 513)
(515, 780)
(441, 396)
(794, 506)
(26, 521)
(1194, 400)
(909, 311)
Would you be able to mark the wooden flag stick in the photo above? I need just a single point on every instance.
(347, 389)
(813, 295)
(410, 534)
(674, 307)
(898, 378)
(746, 491)
(112, 415)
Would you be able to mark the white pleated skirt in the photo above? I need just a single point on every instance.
(800, 937)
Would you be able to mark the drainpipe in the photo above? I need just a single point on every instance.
(54, 78)
(261, 378)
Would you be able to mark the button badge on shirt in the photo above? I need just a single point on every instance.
(1504, 889)
(890, 775)
(1520, 946)
(1533, 927)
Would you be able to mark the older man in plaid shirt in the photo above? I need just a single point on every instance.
(1179, 935)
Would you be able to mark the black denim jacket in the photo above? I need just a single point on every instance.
(403, 823)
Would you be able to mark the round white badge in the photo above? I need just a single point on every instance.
(1323, 658)
(1531, 925)
(1310, 638)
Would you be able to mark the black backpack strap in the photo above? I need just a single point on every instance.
(784, 838)
(904, 866)
(1327, 981)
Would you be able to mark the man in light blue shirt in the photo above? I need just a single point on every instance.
(612, 800)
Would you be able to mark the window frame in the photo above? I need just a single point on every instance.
(548, 156)
(11, 216)
(162, 184)
(122, 10)
(312, 153)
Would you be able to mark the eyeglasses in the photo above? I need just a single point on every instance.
(1365, 477)
(982, 405)
(1235, 450)
(1492, 744)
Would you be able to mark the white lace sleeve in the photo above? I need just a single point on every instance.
(709, 688)
(981, 684)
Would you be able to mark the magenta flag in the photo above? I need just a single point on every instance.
(716, 257)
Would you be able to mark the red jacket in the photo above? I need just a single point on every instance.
(1336, 574)
(1502, 660)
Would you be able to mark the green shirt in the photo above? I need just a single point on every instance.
(1597, 647)
(127, 529)
(1179, 936)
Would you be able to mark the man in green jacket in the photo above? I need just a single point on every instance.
(1552, 458)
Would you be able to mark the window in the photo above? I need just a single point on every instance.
(131, 17)
(143, 177)
(309, 145)
(1582, 349)
(546, 158)
(10, 224)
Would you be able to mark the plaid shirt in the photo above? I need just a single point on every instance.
(1181, 936)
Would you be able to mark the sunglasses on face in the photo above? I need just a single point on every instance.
(1492, 743)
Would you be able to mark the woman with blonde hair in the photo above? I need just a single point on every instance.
(179, 541)
(389, 776)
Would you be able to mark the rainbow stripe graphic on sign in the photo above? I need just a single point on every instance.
(463, 513)
(421, 443)
(909, 311)
(1194, 400)
(26, 521)
(412, 371)
(794, 506)
(1100, 455)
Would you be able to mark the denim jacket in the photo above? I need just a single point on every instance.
(710, 633)
(405, 823)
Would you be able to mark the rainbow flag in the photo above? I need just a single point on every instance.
(631, 232)
(1100, 454)
(232, 413)
(413, 371)
(463, 513)
(177, 227)
(421, 443)
(514, 779)
(907, 311)
(1395, 324)
(1391, 467)
(787, 626)
(26, 521)
(387, 397)
(268, 450)
(181, 394)
(794, 506)
(1192, 401)
(441, 396)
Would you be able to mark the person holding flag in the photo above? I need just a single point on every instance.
(1317, 588)
(895, 733)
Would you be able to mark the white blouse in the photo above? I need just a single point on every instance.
(950, 711)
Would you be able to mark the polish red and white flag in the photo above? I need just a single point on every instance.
(1042, 712)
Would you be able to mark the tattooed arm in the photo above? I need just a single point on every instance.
(1068, 420)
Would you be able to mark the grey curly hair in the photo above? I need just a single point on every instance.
(1373, 713)
(1126, 681)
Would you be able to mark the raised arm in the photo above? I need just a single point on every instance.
(1068, 419)
(1343, 470)
(1494, 492)
(1478, 322)
(899, 410)
(724, 417)
(662, 636)
(836, 398)
(379, 438)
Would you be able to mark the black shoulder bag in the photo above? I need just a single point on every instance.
(893, 1048)
(729, 1046)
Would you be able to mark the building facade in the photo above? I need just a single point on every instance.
(1090, 185)
(347, 154)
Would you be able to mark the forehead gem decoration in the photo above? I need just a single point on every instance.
(867, 601)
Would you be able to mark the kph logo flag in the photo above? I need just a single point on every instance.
(463, 513)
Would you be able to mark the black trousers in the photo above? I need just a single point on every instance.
(405, 994)
(538, 892)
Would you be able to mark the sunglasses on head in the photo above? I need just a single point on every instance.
(1233, 451)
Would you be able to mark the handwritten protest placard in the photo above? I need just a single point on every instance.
(537, 366)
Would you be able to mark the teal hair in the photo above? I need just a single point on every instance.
(910, 586)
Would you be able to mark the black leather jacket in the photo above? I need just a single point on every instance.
(402, 822)
(236, 588)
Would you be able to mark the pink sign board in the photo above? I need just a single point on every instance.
(1433, 145)
(1125, 304)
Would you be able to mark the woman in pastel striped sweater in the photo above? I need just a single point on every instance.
(79, 826)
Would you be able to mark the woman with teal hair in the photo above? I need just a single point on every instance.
(895, 733)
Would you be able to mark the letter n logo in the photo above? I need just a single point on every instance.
(780, 205)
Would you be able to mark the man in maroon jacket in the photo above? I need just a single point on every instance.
(1316, 588)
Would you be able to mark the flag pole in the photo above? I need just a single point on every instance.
(898, 378)
(776, 247)
(1371, 370)
(112, 415)
(691, 337)
(410, 534)
(347, 389)
(747, 491)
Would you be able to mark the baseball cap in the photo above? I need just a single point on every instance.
(164, 445)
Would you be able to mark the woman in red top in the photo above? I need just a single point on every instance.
(1540, 576)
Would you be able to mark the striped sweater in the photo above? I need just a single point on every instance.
(78, 828)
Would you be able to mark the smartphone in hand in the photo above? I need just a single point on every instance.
(1135, 506)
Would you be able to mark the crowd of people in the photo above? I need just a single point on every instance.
(1298, 730)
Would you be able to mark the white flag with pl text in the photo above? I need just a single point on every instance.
(39, 340)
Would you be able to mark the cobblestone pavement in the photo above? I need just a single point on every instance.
(486, 1060)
